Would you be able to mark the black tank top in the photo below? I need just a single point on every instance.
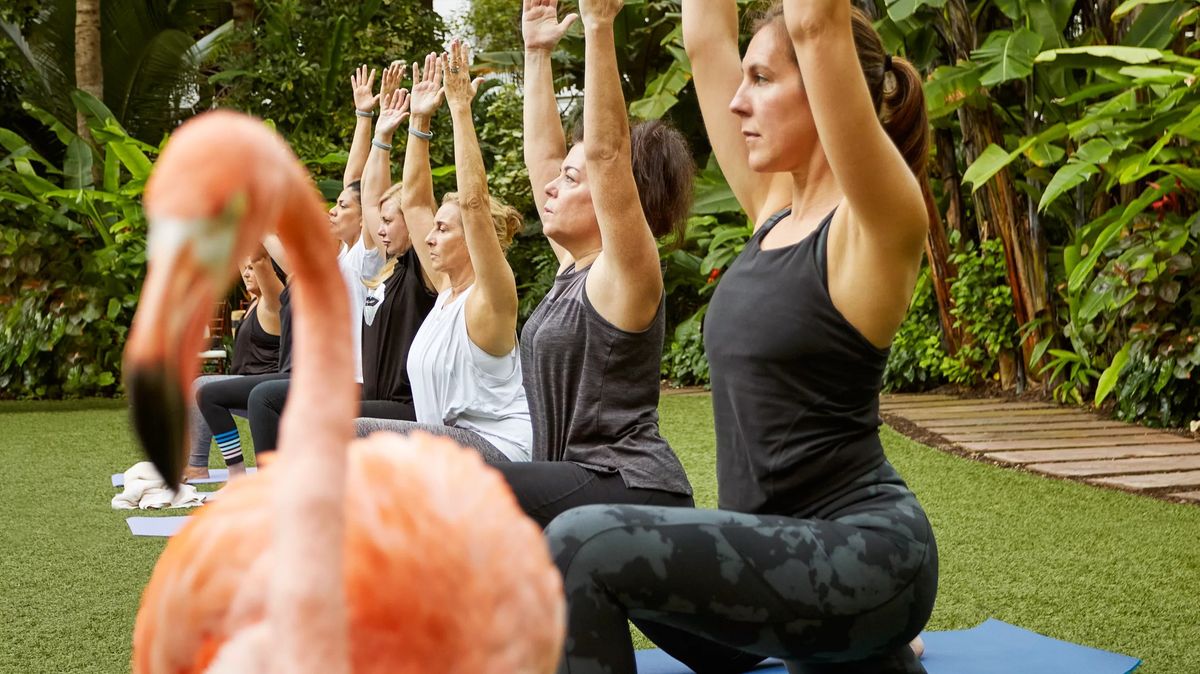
(795, 386)
(392, 314)
(255, 351)
(593, 389)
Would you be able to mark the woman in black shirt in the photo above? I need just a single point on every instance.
(820, 555)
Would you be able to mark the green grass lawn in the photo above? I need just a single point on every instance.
(1096, 567)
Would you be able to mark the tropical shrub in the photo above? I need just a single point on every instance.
(72, 257)
(915, 361)
(292, 66)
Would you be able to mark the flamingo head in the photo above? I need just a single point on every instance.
(209, 202)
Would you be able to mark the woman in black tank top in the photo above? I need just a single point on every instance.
(821, 555)
(256, 353)
(591, 351)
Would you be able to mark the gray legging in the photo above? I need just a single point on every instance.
(364, 426)
(201, 434)
(839, 589)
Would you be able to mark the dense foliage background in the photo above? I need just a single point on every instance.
(1064, 160)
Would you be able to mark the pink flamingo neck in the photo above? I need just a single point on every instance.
(307, 605)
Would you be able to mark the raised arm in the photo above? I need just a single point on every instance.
(491, 310)
(417, 202)
(377, 174)
(545, 142)
(885, 198)
(362, 86)
(625, 284)
(274, 248)
(269, 288)
(710, 36)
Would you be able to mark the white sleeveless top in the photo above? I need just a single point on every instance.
(456, 383)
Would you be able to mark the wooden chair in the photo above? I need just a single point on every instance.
(215, 333)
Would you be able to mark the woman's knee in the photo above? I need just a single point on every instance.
(269, 395)
(572, 531)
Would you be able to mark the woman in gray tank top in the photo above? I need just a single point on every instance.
(591, 351)
(820, 554)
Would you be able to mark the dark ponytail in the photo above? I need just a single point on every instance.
(903, 114)
(906, 121)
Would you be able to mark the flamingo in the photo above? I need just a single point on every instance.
(378, 555)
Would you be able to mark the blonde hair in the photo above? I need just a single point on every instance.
(391, 193)
(384, 274)
(505, 218)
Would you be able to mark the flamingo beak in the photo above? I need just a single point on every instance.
(161, 351)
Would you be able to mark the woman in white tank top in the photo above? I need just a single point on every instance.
(464, 364)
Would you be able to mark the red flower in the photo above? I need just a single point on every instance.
(712, 277)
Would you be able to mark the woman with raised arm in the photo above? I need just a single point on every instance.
(464, 364)
(592, 349)
(398, 298)
(255, 352)
(821, 550)
(264, 396)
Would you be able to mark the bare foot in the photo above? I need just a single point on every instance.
(918, 647)
(195, 473)
(236, 470)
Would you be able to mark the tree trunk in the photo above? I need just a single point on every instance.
(937, 244)
(1000, 211)
(89, 73)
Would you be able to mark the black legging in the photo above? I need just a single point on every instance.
(267, 400)
(217, 398)
(545, 489)
(841, 589)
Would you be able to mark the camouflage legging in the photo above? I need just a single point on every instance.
(843, 590)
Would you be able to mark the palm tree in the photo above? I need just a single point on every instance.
(142, 59)
(89, 73)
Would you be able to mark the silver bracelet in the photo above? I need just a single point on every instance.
(364, 113)
(381, 145)
(423, 135)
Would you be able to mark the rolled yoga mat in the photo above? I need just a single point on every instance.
(994, 647)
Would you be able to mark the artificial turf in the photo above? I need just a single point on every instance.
(1075, 562)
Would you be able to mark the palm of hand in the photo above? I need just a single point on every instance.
(363, 98)
(425, 98)
(540, 27)
(390, 119)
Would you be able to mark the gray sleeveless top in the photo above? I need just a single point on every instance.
(593, 389)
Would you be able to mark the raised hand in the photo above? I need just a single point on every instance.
(540, 25)
(363, 85)
(457, 84)
(392, 113)
(393, 76)
(600, 12)
(426, 95)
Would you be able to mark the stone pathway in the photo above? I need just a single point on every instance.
(1061, 441)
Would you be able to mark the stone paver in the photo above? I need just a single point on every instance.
(1067, 443)
(1091, 453)
(1153, 481)
(967, 425)
(1040, 432)
(969, 412)
(1162, 464)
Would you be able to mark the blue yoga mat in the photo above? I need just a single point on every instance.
(215, 475)
(995, 647)
(155, 526)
